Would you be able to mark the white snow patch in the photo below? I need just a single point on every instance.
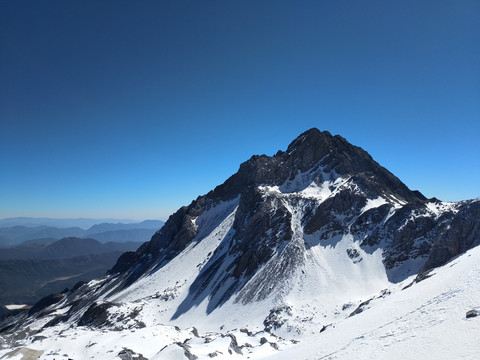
(397, 203)
(374, 203)
(15, 306)
(391, 212)
(440, 207)
(311, 190)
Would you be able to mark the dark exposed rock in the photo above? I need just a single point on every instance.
(195, 332)
(471, 314)
(254, 219)
(327, 214)
(39, 338)
(96, 315)
(12, 320)
(56, 320)
(187, 351)
(311, 149)
(277, 317)
(369, 221)
(274, 345)
(324, 327)
(360, 308)
(246, 331)
(127, 354)
(78, 285)
(46, 302)
(234, 345)
(462, 234)
(124, 262)
(353, 253)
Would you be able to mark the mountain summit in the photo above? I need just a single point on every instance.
(291, 239)
(320, 185)
(320, 190)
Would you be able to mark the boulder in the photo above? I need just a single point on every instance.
(471, 314)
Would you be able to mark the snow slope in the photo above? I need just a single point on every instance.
(425, 321)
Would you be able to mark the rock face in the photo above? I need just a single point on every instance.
(461, 234)
(321, 191)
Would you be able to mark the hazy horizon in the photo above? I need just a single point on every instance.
(115, 109)
(76, 218)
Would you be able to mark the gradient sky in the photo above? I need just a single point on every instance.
(134, 108)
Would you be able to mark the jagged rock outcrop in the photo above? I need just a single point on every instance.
(461, 233)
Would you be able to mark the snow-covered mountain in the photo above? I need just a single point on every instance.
(317, 251)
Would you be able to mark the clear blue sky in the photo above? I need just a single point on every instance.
(134, 108)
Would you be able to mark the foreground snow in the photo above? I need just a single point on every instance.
(425, 321)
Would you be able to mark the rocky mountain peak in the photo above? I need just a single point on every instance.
(313, 144)
(319, 223)
(268, 216)
(316, 152)
(328, 182)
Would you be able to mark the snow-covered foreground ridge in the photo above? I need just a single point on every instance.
(305, 252)
(425, 321)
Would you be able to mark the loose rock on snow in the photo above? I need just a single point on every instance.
(471, 314)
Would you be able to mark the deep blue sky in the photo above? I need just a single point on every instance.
(133, 108)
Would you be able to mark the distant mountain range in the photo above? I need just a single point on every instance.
(42, 256)
(36, 269)
(103, 232)
(64, 248)
(83, 223)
